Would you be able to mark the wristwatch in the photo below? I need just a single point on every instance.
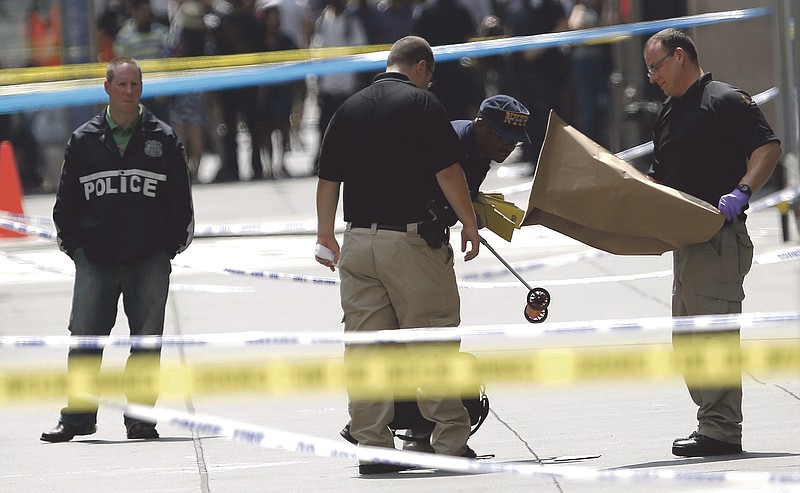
(745, 188)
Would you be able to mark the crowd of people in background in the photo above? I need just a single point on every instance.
(266, 119)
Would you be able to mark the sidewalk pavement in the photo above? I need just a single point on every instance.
(629, 424)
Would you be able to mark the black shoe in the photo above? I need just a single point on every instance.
(142, 430)
(64, 432)
(345, 433)
(379, 468)
(691, 435)
(469, 454)
(702, 446)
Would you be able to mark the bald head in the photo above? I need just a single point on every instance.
(413, 57)
(407, 51)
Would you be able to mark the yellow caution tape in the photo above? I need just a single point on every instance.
(385, 371)
(98, 70)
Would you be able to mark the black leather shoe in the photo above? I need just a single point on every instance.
(469, 454)
(142, 430)
(345, 433)
(64, 432)
(691, 435)
(703, 446)
(379, 468)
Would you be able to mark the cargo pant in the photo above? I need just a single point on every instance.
(708, 280)
(390, 280)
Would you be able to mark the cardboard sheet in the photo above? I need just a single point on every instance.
(583, 191)
(498, 215)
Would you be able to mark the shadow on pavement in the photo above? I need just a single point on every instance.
(701, 460)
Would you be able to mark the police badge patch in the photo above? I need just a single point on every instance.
(152, 148)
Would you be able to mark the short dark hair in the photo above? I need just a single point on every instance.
(672, 38)
(409, 50)
(111, 66)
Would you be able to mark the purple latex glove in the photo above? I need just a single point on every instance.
(732, 204)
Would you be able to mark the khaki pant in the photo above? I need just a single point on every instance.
(395, 280)
(708, 280)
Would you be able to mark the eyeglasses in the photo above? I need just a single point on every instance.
(652, 69)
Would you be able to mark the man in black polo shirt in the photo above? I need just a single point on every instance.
(393, 147)
(711, 141)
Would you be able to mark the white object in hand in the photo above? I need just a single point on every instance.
(323, 252)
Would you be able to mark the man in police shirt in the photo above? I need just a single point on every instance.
(392, 146)
(123, 210)
(710, 141)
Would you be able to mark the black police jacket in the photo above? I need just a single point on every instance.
(122, 209)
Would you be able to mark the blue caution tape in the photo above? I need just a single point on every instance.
(175, 287)
(16, 222)
(261, 229)
(786, 195)
(783, 255)
(546, 263)
(158, 67)
(626, 327)
(767, 258)
(249, 434)
(28, 229)
(28, 97)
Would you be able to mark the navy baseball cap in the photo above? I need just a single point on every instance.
(507, 116)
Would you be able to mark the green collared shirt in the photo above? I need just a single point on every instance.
(122, 135)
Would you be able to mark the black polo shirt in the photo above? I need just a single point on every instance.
(385, 144)
(704, 138)
(475, 166)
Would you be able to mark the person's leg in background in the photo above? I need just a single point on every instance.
(229, 160)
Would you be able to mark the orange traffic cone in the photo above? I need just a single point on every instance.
(10, 187)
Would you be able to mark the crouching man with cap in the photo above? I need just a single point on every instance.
(491, 136)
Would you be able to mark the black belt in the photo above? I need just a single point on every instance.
(403, 228)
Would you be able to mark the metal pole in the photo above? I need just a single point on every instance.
(786, 13)
(486, 244)
(787, 68)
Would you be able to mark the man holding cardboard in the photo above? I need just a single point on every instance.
(713, 142)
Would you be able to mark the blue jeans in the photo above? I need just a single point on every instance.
(144, 287)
